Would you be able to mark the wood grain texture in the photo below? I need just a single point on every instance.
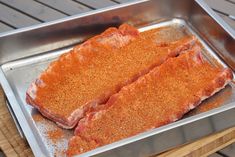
(34, 9)
(15, 18)
(11, 143)
(97, 4)
(67, 6)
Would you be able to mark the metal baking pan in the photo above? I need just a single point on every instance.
(25, 53)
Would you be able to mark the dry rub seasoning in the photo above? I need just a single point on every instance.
(214, 102)
(38, 117)
(55, 134)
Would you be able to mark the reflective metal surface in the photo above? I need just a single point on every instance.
(15, 120)
(25, 53)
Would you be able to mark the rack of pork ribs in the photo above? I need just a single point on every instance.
(124, 80)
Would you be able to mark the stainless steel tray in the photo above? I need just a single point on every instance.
(25, 53)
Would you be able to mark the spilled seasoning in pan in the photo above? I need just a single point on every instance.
(55, 134)
(38, 117)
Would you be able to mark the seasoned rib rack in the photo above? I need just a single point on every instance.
(162, 96)
(90, 73)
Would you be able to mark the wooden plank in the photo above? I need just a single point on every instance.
(228, 20)
(11, 143)
(205, 146)
(5, 145)
(34, 9)
(15, 18)
(222, 5)
(67, 6)
(97, 4)
(4, 28)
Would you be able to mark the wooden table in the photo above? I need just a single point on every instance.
(16, 14)
(21, 13)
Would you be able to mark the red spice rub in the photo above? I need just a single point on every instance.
(162, 96)
(78, 145)
(87, 76)
(216, 101)
(50, 94)
(55, 134)
(38, 117)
